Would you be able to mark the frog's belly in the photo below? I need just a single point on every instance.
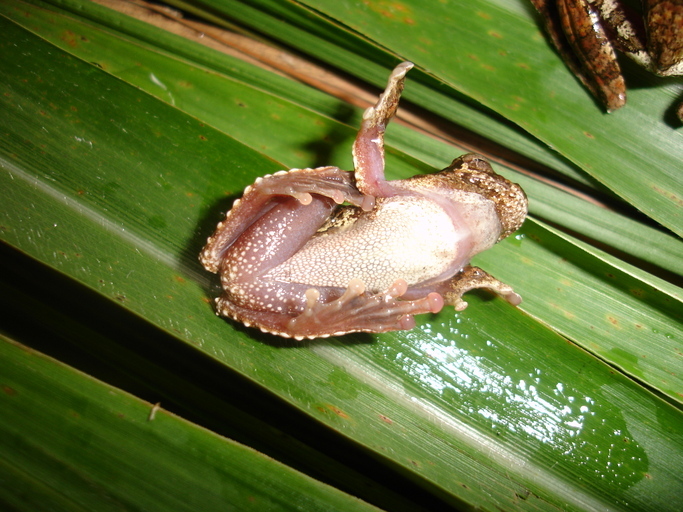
(410, 238)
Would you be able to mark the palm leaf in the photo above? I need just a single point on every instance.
(116, 189)
(89, 431)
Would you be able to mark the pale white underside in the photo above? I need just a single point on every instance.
(410, 238)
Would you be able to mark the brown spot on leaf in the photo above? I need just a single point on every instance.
(338, 411)
(69, 38)
(386, 419)
(669, 195)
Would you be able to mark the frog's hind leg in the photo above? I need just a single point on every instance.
(368, 148)
(268, 192)
(358, 311)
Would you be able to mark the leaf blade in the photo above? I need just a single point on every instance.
(523, 81)
(88, 446)
(326, 389)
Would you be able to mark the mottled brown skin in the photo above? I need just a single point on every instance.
(294, 261)
(586, 33)
(665, 30)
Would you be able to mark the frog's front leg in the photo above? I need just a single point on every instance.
(470, 278)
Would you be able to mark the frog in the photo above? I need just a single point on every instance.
(318, 252)
(588, 33)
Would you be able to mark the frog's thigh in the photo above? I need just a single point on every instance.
(470, 278)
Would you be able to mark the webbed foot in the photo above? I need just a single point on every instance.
(329, 181)
(359, 311)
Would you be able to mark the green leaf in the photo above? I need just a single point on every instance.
(64, 435)
(250, 110)
(359, 57)
(493, 53)
(245, 113)
(484, 408)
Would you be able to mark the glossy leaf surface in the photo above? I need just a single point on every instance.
(479, 407)
(93, 431)
(615, 332)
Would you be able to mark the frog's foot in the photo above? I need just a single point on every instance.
(329, 181)
(470, 278)
(358, 311)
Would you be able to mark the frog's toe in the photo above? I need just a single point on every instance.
(326, 181)
(470, 278)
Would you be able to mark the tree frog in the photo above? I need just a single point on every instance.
(309, 253)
